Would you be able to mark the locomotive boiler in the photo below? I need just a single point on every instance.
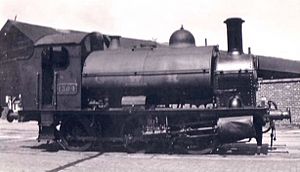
(92, 88)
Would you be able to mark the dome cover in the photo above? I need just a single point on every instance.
(182, 38)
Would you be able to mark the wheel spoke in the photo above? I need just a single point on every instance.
(132, 134)
(76, 135)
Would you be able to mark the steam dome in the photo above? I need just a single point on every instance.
(182, 38)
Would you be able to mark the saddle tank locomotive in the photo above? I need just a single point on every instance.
(86, 89)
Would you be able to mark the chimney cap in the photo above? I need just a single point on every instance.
(234, 19)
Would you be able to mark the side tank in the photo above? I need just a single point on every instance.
(163, 75)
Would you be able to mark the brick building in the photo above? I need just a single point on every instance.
(285, 92)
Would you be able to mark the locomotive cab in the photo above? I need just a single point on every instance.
(60, 73)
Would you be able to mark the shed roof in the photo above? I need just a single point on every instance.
(273, 67)
(37, 33)
(62, 38)
(41, 35)
(33, 32)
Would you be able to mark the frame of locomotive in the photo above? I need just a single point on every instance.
(54, 82)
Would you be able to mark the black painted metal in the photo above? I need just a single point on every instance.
(182, 38)
(207, 114)
(37, 88)
(164, 73)
(234, 35)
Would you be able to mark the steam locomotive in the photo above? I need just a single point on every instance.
(88, 88)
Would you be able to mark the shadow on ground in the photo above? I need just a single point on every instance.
(226, 149)
(242, 149)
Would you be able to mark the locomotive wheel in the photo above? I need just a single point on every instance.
(76, 134)
(204, 147)
(205, 143)
(132, 134)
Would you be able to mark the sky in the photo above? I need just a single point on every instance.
(271, 28)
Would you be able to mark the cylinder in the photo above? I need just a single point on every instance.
(234, 35)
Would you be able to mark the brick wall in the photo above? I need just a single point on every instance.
(285, 92)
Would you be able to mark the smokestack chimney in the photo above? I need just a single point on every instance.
(234, 35)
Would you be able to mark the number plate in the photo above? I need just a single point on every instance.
(67, 88)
